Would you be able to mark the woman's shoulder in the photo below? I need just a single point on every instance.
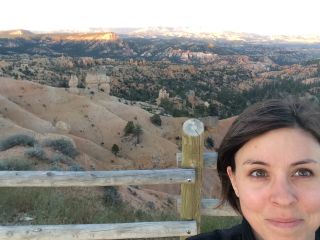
(234, 233)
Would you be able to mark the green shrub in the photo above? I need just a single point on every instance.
(16, 164)
(76, 168)
(150, 205)
(115, 149)
(17, 140)
(209, 142)
(36, 152)
(111, 196)
(129, 128)
(56, 158)
(60, 158)
(137, 131)
(156, 119)
(63, 146)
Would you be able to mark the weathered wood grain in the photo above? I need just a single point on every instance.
(192, 150)
(95, 178)
(99, 231)
(209, 159)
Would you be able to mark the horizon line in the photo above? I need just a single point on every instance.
(186, 29)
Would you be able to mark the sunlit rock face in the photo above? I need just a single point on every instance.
(105, 36)
(25, 34)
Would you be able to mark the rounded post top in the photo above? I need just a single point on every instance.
(193, 127)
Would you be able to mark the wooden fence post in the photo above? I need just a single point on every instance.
(192, 157)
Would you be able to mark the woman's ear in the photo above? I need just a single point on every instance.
(233, 180)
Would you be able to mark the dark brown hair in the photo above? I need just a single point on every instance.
(256, 120)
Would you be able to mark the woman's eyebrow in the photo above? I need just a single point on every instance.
(250, 162)
(305, 161)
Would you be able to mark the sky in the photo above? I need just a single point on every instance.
(266, 17)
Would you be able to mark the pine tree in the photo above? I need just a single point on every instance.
(129, 128)
(137, 133)
(115, 149)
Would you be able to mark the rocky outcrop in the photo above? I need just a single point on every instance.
(105, 86)
(97, 82)
(73, 84)
(63, 127)
(188, 56)
(162, 95)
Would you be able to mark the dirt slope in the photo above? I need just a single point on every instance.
(94, 124)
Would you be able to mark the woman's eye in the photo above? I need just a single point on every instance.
(303, 173)
(259, 173)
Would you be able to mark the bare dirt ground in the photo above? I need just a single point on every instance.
(94, 124)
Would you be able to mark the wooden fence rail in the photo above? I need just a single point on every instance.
(191, 160)
(95, 178)
(209, 159)
(99, 231)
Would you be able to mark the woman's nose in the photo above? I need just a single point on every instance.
(282, 192)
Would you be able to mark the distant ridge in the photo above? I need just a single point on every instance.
(17, 33)
(25, 34)
(101, 36)
(203, 33)
(153, 32)
(113, 34)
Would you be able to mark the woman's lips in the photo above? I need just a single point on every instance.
(285, 223)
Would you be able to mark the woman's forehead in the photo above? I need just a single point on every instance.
(282, 144)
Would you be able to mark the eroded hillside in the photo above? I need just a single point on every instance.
(96, 121)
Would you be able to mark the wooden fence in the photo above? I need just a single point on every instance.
(189, 174)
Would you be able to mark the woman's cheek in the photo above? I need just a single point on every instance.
(311, 201)
(252, 197)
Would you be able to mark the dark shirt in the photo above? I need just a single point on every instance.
(242, 231)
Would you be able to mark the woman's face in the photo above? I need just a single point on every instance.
(277, 180)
